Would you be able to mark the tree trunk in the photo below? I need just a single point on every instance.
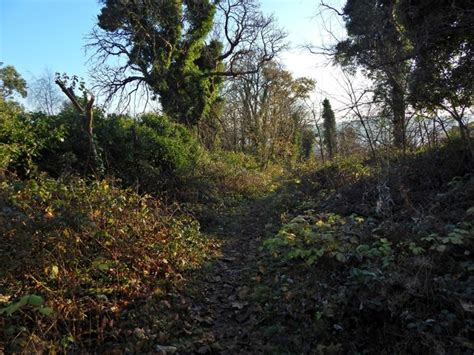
(88, 114)
(398, 111)
(466, 137)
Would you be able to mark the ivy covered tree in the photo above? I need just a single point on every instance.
(167, 45)
(376, 44)
(330, 134)
(307, 143)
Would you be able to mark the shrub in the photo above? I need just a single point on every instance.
(23, 137)
(149, 151)
(76, 254)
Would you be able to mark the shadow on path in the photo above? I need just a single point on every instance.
(222, 315)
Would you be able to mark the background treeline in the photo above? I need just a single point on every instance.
(223, 83)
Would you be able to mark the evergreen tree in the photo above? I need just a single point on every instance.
(11, 82)
(442, 76)
(329, 128)
(375, 44)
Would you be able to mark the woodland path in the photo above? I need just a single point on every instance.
(224, 318)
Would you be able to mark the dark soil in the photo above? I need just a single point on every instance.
(224, 318)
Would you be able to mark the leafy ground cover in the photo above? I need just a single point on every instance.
(338, 261)
(374, 260)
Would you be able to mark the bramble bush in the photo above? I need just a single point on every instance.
(76, 255)
(368, 281)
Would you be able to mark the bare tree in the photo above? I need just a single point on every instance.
(265, 111)
(44, 94)
(359, 105)
(248, 36)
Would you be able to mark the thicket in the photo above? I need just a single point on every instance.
(373, 257)
(148, 151)
(87, 259)
(78, 255)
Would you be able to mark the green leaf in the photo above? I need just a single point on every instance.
(46, 311)
(15, 306)
(441, 248)
(363, 248)
(311, 260)
(35, 300)
(341, 257)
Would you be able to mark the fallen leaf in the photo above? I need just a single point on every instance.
(165, 350)
(239, 305)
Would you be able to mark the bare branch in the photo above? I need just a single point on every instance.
(70, 94)
(247, 33)
(339, 13)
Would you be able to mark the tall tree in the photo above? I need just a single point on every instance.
(264, 112)
(316, 115)
(44, 94)
(442, 77)
(11, 82)
(376, 44)
(329, 123)
(167, 46)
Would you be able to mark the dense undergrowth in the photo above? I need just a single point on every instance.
(374, 259)
(149, 152)
(367, 256)
(86, 253)
(101, 261)
(90, 257)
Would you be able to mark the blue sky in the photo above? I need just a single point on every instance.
(50, 34)
(39, 34)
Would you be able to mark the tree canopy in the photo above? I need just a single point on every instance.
(11, 82)
(442, 76)
(167, 45)
(443, 57)
(375, 43)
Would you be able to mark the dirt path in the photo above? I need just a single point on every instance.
(224, 318)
